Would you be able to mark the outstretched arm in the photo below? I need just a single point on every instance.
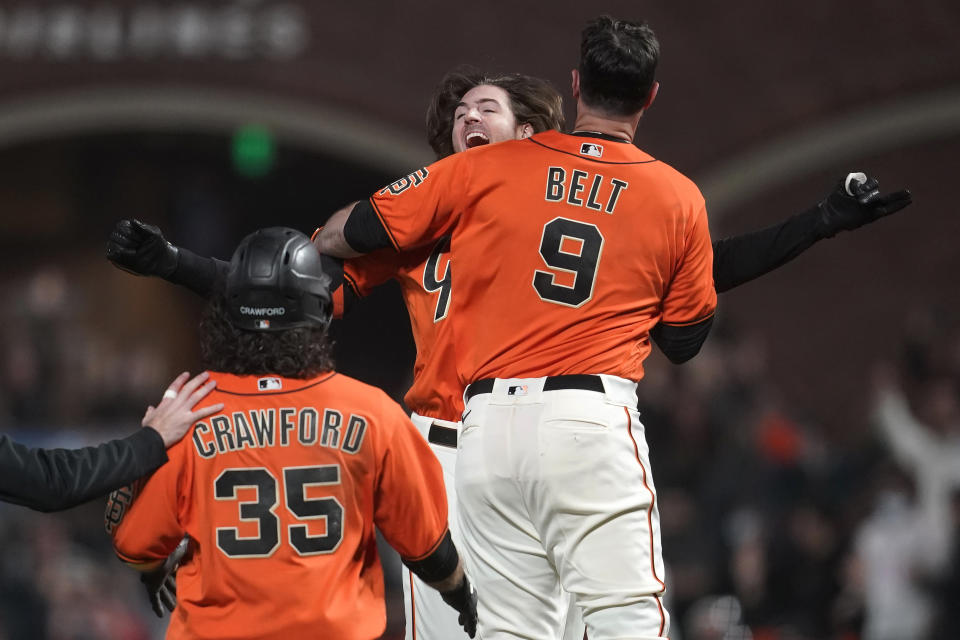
(56, 479)
(142, 250)
(852, 204)
(747, 256)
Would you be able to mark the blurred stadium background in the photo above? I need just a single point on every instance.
(807, 460)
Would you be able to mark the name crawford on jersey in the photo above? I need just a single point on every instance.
(259, 428)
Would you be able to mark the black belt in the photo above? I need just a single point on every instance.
(443, 436)
(581, 381)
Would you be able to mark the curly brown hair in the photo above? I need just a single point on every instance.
(303, 352)
(532, 100)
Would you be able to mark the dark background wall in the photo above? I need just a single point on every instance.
(129, 108)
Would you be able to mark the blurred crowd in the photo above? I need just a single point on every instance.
(66, 382)
(775, 526)
(58, 368)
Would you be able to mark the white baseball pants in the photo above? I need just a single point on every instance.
(428, 617)
(555, 491)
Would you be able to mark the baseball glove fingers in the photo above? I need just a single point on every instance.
(886, 204)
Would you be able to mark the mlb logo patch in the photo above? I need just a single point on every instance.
(269, 384)
(591, 149)
(517, 390)
(262, 324)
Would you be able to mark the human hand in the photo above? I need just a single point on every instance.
(175, 415)
(463, 598)
(141, 249)
(161, 583)
(857, 201)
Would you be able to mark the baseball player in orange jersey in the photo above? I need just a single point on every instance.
(508, 107)
(279, 496)
(459, 110)
(543, 415)
(520, 105)
(579, 247)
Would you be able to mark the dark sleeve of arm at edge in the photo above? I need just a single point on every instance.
(363, 229)
(206, 276)
(203, 276)
(439, 564)
(350, 294)
(742, 258)
(57, 479)
(680, 343)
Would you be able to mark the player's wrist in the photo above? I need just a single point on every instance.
(170, 432)
(463, 599)
(839, 212)
(452, 582)
(169, 260)
(457, 595)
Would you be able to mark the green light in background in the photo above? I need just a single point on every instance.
(253, 151)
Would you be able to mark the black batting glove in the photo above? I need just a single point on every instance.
(141, 249)
(857, 201)
(463, 598)
(161, 583)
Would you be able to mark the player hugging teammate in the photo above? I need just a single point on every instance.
(468, 109)
(569, 253)
(471, 110)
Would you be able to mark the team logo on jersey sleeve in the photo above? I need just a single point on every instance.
(414, 179)
(118, 503)
(591, 149)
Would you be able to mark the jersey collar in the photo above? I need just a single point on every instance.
(598, 134)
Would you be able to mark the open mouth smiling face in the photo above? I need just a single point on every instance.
(475, 137)
(483, 117)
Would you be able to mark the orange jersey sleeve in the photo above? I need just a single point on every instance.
(411, 503)
(434, 191)
(146, 524)
(279, 495)
(361, 275)
(691, 296)
(364, 273)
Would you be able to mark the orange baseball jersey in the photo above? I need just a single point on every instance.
(279, 494)
(425, 277)
(570, 250)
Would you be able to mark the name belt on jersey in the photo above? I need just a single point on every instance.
(257, 428)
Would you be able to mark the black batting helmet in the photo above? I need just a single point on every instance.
(276, 281)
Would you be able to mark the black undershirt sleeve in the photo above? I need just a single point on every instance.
(680, 343)
(363, 230)
(206, 276)
(350, 295)
(333, 267)
(203, 276)
(438, 565)
(57, 479)
(747, 256)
